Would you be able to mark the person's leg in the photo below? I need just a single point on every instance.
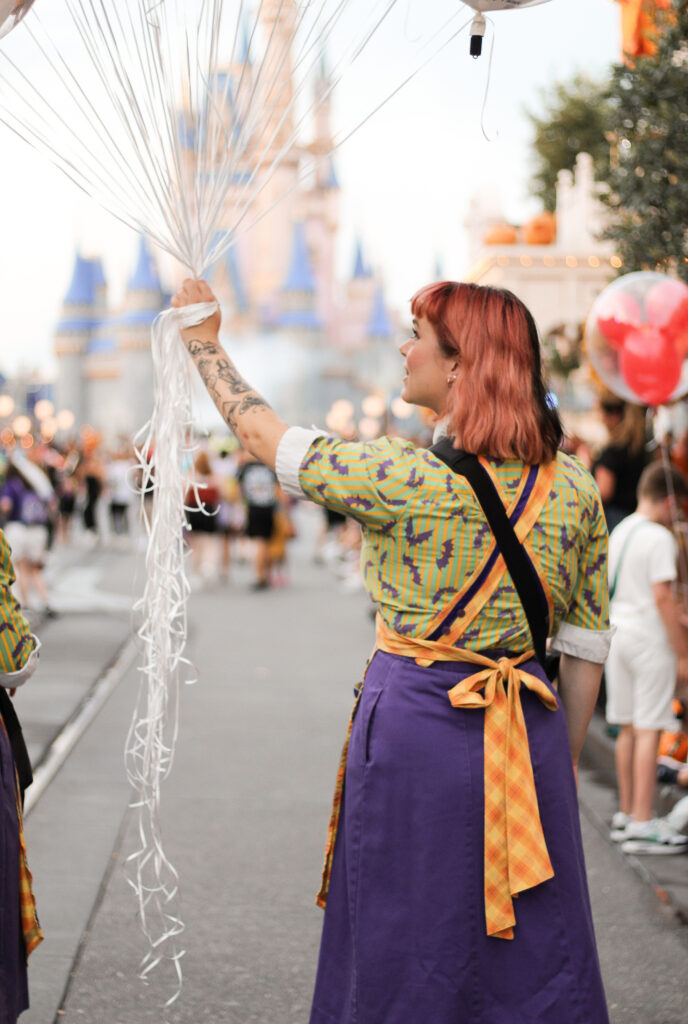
(262, 561)
(619, 711)
(39, 583)
(623, 756)
(645, 746)
(23, 570)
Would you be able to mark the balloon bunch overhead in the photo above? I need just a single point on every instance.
(11, 13)
(637, 338)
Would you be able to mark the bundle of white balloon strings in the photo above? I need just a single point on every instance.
(174, 115)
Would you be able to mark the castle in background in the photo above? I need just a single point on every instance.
(316, 338)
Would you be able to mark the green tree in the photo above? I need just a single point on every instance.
(648, 128)
(572, 120)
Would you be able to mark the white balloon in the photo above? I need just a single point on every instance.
(11, 13)
(485, 6)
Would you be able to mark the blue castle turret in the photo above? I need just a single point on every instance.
(299, 288)
(380, 324)
(361, 269)
(82, 312)
(144, 299)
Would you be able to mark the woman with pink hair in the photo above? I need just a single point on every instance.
(457, 787)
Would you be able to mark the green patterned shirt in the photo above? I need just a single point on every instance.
(425, 538)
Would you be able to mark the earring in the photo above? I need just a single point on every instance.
(451, 378)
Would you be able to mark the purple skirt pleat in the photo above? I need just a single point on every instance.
(404, 938)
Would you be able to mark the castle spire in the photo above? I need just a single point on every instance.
(145, 277)
(300, 276)
(380, 324)
(299, 288)
(361, 270)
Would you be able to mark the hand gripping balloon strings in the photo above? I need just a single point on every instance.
(161, 447)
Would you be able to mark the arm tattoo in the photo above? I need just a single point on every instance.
(228, 389)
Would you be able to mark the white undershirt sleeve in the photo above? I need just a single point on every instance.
(11, 679)
(588, 644)
(291, 452)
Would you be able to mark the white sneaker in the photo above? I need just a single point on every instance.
(656, 836)
(620, 823)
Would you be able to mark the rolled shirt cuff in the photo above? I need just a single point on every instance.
(291, 452)
(11, 679)
(588, 644)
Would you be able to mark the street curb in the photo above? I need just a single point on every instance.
(75, 726)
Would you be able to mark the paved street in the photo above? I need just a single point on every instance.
(245, 813)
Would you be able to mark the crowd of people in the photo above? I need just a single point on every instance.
(85, 493)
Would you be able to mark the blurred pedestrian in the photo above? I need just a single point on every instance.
(231, 518)
(259, 488)
(27, 514)
(619, 464)
(20, 931)
(202, 504)
(648, 656)
(120, 490)
(282, 533)
(92, 476)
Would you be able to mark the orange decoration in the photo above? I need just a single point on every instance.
(541, 230)
(639, 26)
(501, 234)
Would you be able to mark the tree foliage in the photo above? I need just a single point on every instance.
(648, 129)
(573, 119)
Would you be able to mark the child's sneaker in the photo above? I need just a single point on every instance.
(655, 837)
(620, 823)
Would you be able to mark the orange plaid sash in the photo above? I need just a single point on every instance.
(516, 856)
(31, 929)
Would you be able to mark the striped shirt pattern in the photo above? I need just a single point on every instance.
(16, 644)
(425, 535)
(16, 641)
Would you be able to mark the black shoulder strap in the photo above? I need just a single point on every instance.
(520, 567)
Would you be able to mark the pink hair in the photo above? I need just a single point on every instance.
(498, 405)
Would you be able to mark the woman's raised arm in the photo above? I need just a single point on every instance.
(255, 424)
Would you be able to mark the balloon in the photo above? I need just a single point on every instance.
(619, 313)
(502, 5)
(650, 364)
(11, 13)
(666, 306)
(636, 338)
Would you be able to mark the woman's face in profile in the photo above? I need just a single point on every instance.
(426, 368)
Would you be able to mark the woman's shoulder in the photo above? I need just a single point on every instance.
(571, 475)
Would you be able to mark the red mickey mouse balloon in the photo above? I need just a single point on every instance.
(636, 338)
(650, 364)
(618, 314)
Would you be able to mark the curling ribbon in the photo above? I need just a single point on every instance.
(162, 447)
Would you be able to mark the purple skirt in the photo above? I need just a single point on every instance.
(404, 938)
(14, 995)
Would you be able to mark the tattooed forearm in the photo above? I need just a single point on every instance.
(253, 401)
(228, 389)
(195, 347)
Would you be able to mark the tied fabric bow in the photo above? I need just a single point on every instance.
(516, 856)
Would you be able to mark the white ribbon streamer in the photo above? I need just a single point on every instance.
(162, 448)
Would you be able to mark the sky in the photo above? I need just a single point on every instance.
(407, 175)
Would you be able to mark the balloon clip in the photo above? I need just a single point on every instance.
(478, 27)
